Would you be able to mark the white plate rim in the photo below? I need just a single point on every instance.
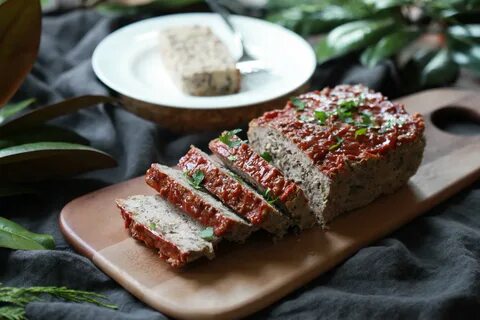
(97, 68)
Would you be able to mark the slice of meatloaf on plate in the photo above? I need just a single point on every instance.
(234, 193)
(344, 146)
(187, 194)
(259, 172)
(178, 238)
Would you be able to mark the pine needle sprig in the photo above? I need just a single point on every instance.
(17, 298)
(12, 313)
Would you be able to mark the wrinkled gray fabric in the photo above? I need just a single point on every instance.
(429, 269)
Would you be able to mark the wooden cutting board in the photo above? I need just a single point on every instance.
(246, 278)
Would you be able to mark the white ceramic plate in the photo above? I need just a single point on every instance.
(129, 61)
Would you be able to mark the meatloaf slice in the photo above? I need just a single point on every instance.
(174, 186)
(244, 161)
(234, 193)
(344, 146)
(162, 226)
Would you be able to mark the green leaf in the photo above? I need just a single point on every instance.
(323, 51)
(41, 160)
(321, 116)
(360, 132)
(230, 138)
(195, 179)
(465, 31)
(353, 36)
(207, 234)
(387, 47)
(13, 108)
(298, 103)
(12, 313)
(267, 195)
(266, 156)
(337, 144)
(232, 157)
(41, 134)
(441, 69)
(20, 26)
(386, 4)
(41, 115)
(14, 236)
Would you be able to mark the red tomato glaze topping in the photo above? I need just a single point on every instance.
(346, 123)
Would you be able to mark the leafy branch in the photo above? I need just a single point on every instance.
(428, 40)
(15, 299)
(31, 150)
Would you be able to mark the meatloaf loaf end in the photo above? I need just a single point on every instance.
(344, 146)
(162, 226)
(257, 171)
(234, 193)
(172, 185)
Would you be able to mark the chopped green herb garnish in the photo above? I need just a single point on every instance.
(360, 132)
(227, 137)
(234, 175)
(153, 226)
(207, 234)
(267, 156)
(232, 157)
(306, 118)
(268, 196)
(336, 145)
(298, 103)
(195, 179)
(390, 123)
(321, 116)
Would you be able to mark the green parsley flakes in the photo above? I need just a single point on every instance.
(268, 196)
(321, 116)
(336, 145)
(360, 132)
(266, 156)
(153, 226)
(207, 234)
(232, 157)
(298, 103)
(195, 180)
(227, 137)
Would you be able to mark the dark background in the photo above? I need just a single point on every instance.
(429, 269)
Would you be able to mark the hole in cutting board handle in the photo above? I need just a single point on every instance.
(457, 120)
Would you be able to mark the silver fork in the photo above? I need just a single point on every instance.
(246, 63)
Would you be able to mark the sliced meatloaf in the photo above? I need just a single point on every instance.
(257, 171)
(162, 226)
(233, 192)
(344, 146)
(188, 195)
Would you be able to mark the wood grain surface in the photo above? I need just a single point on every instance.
(246, 278)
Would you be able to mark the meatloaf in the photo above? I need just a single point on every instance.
(344, 146)
(162, 226)
(256, 170)
(234, 193)
(187, 194)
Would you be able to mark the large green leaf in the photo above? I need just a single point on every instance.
(386, 4)
(466, 54)
(471, 31)
(40, 115)
(314, 19)
(40, 134)
(353, 36)
(42, 160)
(440, 70)
(387, 47)
(13, 108)
(14, 236)
(20, 26)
